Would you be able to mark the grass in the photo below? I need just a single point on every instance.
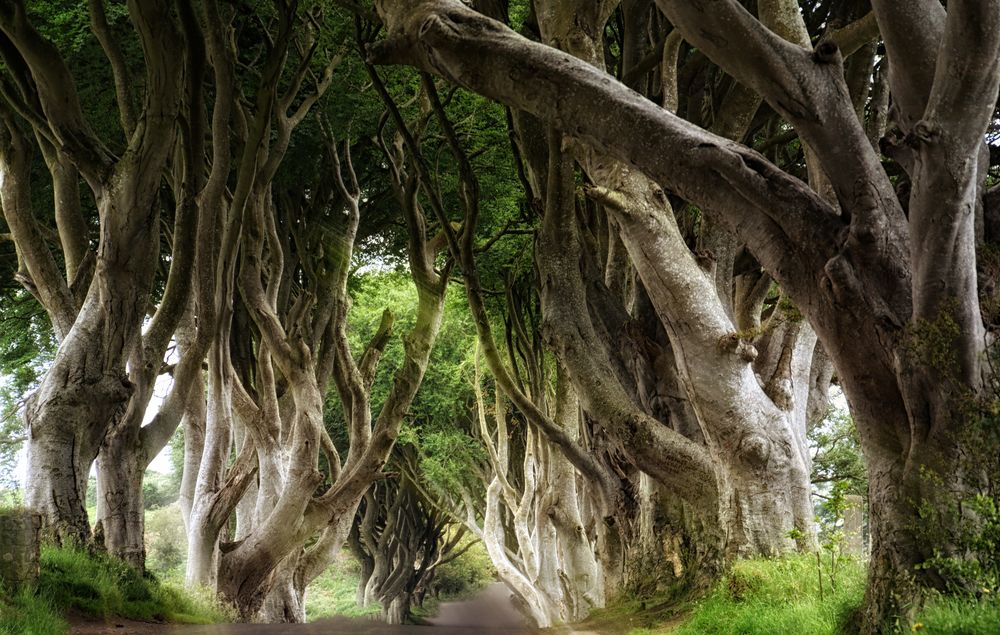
(28, 613)
(636, 616)
(781, 597)
(99, 586)
(335, 592)
(955, 617)
(778, 597)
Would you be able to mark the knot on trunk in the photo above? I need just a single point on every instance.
(779, 389)
(736, 343)
(706, 261)
(923, 132)
(754, 449)
(827, 52)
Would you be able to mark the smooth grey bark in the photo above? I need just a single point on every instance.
(859, 270)
(302, 340)
(86, 389)
(129, 446)
(530, 520)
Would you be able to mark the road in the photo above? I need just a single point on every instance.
(489, 613)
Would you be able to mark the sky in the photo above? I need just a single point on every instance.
(162, 462)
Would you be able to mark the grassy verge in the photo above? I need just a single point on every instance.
(779, 597)
(101, 587)
(782, 597)
(955, 617)
(335, 592)
(765, 597)
(28, 613)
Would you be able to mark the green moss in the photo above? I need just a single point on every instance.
(933, 343)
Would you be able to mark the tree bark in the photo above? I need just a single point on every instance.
(863, 273)
(86, 389)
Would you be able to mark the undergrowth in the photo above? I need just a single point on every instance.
(99, 586)
(959, 617)
(335, 592)
(781, 597)
(760, 597)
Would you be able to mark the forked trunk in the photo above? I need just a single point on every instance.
(67, 418)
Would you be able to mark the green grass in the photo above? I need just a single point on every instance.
(955, 617)
(335, 591)
(99, 586)
(779, 597)
(28, 613)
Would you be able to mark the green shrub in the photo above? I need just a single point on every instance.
(159, 490)
(166, 543)
(467, 574)
(777, 597)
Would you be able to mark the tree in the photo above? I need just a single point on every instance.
(282, 305)
(743, 434)
(401, 538)
(96, 320)
(887, 279)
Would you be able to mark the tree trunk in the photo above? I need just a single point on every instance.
(916, 517)
(121, 465)
(397, 609)
(67, 418)
(59, 460)
(286, 599)
(85, 390)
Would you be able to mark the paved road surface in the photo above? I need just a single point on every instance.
(490, 613)
(492, 609)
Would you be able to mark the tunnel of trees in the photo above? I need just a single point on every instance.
(576, 279)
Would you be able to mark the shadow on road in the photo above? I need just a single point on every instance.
(489, 613)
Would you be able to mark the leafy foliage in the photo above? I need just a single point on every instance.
(837, 457)
(159, 490)
(27, 346)
(166, 543)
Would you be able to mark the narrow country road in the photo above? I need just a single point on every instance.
(490, 609)
(489, 613)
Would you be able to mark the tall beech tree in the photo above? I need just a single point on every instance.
(129, 446)
(86, 390)
(887, 279)
(734, 450)
(282, 305)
